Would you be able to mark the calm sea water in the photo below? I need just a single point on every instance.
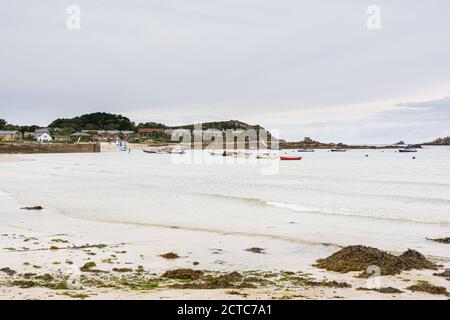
(387, 199)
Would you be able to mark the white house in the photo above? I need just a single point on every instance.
(45, 137)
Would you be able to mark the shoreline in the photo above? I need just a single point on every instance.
(30, 249)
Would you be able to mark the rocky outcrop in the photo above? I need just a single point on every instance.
(439, 142)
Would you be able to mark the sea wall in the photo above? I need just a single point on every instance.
(48, 148)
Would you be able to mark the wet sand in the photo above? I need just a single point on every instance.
(41, 243)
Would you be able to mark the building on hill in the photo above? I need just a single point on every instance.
(40, 131)
(109, 135)
(10, 135)
(145, 132)
(80, 134)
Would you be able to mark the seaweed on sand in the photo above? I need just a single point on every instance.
(44, 281)
(255, 250)
(32, 208)
(441, 240)
(169, 255)
(322, 283)
(8, 271)
(445, 274)
(425, 286)
(359, 258)
(386, 290)
(88, 265)
(184, 274)
(232, 280)
(24, 283)
(73, 295)
(122, 270)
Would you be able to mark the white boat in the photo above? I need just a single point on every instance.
(177, 151)
(338, 150)
(266, 156)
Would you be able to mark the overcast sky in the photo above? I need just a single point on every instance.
(307, 68)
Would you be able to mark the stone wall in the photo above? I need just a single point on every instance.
(48, 148)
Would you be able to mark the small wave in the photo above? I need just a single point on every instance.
(305, 209)
(325, 211)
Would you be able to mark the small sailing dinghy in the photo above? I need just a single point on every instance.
(149, 151)
(123, 146)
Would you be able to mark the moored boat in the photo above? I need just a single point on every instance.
(290, 158)
(305, 150)
(407, 150)
(177, 151)
(149, 151)
(338, 150)
(265, 156)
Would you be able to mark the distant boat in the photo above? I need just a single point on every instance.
(149, 151)
(338, 150)
(265, 156)
(305, 150)
(123, 146)
(290, 158)
(407, 150)
(177, 151)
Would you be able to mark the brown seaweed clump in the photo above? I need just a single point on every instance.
(359, 258)
(32, 208)
(169, 255)
(10, 272)
(255, 250)
(413, 259)
(441, 240)
(232, 280)
(322, 283)
(184, 274)
(445, 274)
(425, 286)
(122, 270)
(386, 290)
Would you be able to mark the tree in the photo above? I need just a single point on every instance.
(151, 125)
(3, 123)
(96, 121)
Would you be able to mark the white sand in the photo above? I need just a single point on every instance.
(7, 158)
(136, 245)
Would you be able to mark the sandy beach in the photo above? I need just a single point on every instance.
(93, 240)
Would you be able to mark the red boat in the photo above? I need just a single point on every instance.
(290, 158)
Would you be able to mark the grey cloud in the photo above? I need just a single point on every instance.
(411, 122)
(173, 61)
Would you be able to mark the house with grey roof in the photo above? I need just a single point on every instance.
(10, 135)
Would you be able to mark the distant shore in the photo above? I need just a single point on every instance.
(30, 148)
